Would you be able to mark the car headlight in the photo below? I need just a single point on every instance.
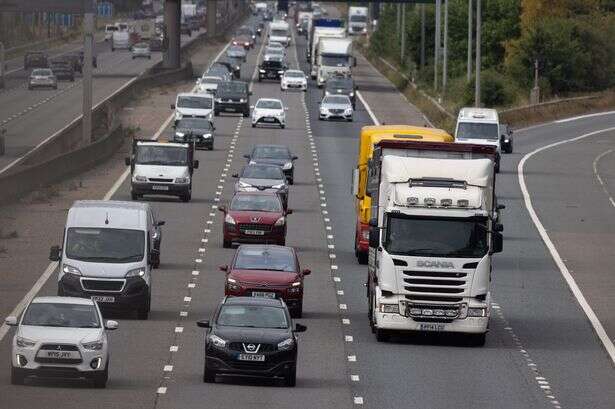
(252, 162)
(182, 180)
(217, 341)
(244, 184)
(280, 186)
(348, 111)
(24, 342)
(351, 94)
(295, 288)
(180, 134)
(477, 312)
(139, 178)
(389, 308)
(232, 285)
(93, 346)
(286, 344)
(68, 269)
(327, 93)
(207, 136)
(280, 72)
(229, 219)
(261, 71)
(241, 100)
(287, 166)
(218, 99)
(136, 272)
(280, 222)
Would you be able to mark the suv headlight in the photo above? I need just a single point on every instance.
(68, 269)
(207, 135)
(295, 288)
(287, 166)
(137, 272)
(261, 71)
(229, 219)
(280, 222)
(217, 341)
(93, 346)
(241, 100)
(280, 186)
(24, 342)
(183, 180)
(286, 344)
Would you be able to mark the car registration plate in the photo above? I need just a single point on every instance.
(255, 232)
(103, 298)
(160, 187)
(251, 357)
(428, 326)
(268, 119)
(59, 354)
(263, 294)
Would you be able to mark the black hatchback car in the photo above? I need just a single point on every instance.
(271, 69)
(341, 86)
(251, 336)
(278, 155)
(233, 96)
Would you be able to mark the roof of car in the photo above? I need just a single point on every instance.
(63, 300)
(265, 145)
(264, 247)
(272, 302)
(269, 99)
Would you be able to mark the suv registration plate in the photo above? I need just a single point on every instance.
(251, 357)
(103, 298)
(263, 294)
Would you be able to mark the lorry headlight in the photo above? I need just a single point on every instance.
(280, 222)
(287, 166)
(22, 342)
(217, 341)
(68, 269)
(183, 180)
(136, 272)
(180, 134)
(286, 344)
(477, 312)
(389, 308)
(93, 346)
(229, 219)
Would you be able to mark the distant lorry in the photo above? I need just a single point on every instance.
(121, 40)
(319, 23)
(318, 33)
(279, 31)
(357, 20)
(370, 136)
(334, 58)
(432, 234)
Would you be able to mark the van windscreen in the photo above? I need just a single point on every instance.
(162, 155)
(105, 245)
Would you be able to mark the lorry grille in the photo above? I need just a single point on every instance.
(434, 286)
(102, 285)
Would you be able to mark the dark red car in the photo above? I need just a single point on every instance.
(254, 217)
(260, 270)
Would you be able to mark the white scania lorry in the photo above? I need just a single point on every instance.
(431, 239)
(334, 58)
(357, 20)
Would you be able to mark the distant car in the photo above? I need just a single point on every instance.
(220, 70)
(234, 64)
(269, 111)
(278, 155)
(260, 26)
(236, 51)
(82, 58)
(275, 44)
(247, 31)
(184, 29)
(341, 86)
(209, 84)
(141, 50)
(293, 79)
(244, 41)
(156, 44)
(61, 337)
(268, 16)
(271, 69)
(42, 78)
(253, 337)
(254, 217)
(335, 107)
(233, 96)
(35, 59)
(200, 131)
(63, 71)
(263, 178)
(267, 271)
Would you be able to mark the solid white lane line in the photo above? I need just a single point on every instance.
(597, 174)
(570, 281)
(576, 118)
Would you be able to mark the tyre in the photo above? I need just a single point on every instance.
(246, 113)
(156, 261)
(209, 376)
(477, 340)
(226, 244)
(282, 126)
(216, 113)
(186, 197)
(497, 166)
(297, 312)
(17, 377)
(100, 379)
(134, 196)
(72, 79)
(290, 379)
(143, 313)
(291, 180)
(362, 257)
(382, 335)
(253, 125)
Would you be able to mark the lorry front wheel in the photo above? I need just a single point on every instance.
(382, 335)
(477, 340)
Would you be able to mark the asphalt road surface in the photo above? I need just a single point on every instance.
(541, 351)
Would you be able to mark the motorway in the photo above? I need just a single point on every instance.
(22, 111)
(541, 351)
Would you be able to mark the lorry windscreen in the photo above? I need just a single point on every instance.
(105, 245)
(436, 237)
(194, 102)
(358, 19)
(334, 60)
(474, 130)
(162, 155)
(279, 33)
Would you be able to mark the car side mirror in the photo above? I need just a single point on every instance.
(222, 209)
(55, 253)
(306, 272)
(498, 227)
(289, 211)
(223, 268)
(11, 321)
(195, 164)
(111, 325)
(203, 324)
(501, 207)
(235, 175)
(127, 161)
(246, 156)
(300, 328)
(161, 223)
(295, 158)
(172, 106)
(498, 243)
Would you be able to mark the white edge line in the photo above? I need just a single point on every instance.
(368, 109)
(574, 288)
(4, 329)
(576, 118)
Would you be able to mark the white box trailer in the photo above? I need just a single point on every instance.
(334, 58)
(317, 34)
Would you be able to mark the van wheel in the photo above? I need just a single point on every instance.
(382, 335)
(143, 313)
(17, 377)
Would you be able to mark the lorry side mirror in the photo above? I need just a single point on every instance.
(498, 243)
(55, 253)
(373, 222)
(195, 164)
(498, 227)
(374, 239)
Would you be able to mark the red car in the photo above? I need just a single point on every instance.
(261, 270)
(254, 217)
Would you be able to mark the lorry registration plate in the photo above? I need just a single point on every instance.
(428, 326)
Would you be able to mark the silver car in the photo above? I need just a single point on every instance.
(237, 51)
(61, 337)
(141, 50)
(42, 78)
(263, 178)
(335, 107)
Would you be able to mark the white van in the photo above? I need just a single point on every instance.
(109, 30)
(480, 126)
(279, 32)
(196, 105)
(120, 40)
(109, 250)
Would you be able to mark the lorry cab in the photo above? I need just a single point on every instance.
(357, 20)
(480, 126)
(334, 58)
(279, 31)
(370, 136)
(196, 105)
(108, 251)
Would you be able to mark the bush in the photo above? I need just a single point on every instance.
(494, 90)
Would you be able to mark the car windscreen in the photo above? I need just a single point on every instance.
(333, 60)
(279, 33)
(61, 315)
(268, 104)
(274, 52)
(162, 155)
(358, 19)
(257, 203)
(336, 99)
(194, 123)
(105, 245)
(211, 80)
(436, 237)
(141, 46)
(270, 259)
(470, 130)
(294, 74)
(339, 84)
(194, 102)
(270, 152)
(41, 72)
(236, 49)
(232, 88)
(252, 316)
(262, 172)
(234, 61)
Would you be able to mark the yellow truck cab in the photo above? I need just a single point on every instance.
(370, 136)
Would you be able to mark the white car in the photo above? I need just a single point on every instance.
(335, 107)
(293, 79)
(208, 84)
(141, 50)
(276, 45)
(269, 111)
(61, 337)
